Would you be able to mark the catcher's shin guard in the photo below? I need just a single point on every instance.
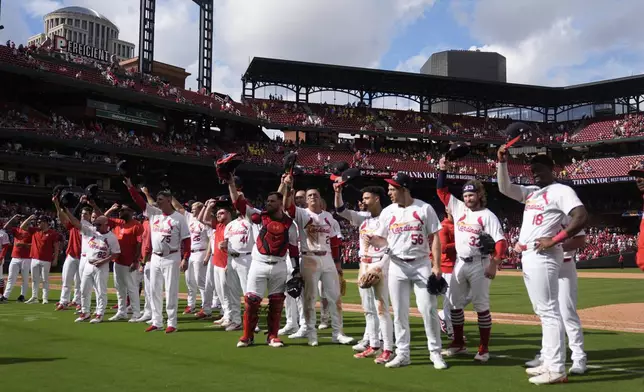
(275, 306)
(251, 315)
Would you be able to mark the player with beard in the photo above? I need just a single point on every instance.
(375, 299)
(473, 269)
(128, 232)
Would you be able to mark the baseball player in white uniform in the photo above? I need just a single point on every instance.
(293, 306)
(472, 270)
(375, 299)
(320, 261)
(170, 239)
(568, 305)
(199, 255)
(405, 229)
(102, 247)
(547, 205)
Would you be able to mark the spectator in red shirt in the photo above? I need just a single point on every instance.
(45, 248)
(20, 257)
(128, 232)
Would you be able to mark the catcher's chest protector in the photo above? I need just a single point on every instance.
(273, 237)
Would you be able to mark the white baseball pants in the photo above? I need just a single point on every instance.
(196, 278)
(221, 287)
(40, 272)
(375, 303)
(315, 269)
(403, 276)
(94, 277)
(568, 307)
(164, 274)
(293, 306)
(22, 267)
(211, 299)
(147, 289)
(447, 305)
(124, 283)
(70, 275)
(263, 278)
(470, 278)
(541, 277)
(81, 268)
(236, 280)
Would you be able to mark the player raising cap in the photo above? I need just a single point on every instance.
(475, 266)
(547, 205)
(405, 228)
(372, 261)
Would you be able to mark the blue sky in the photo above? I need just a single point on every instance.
(545, 41)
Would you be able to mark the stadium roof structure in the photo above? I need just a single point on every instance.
(366, 83)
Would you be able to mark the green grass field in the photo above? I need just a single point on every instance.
(46, 350)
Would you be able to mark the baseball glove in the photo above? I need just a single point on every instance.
(487, 244)
(369, 278)
(437, 286)
(343, 286)
(294, 287)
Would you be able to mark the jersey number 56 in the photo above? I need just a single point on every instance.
(417, 239)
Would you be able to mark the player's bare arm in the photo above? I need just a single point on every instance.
(207, 257)
(178, 206)
(232, 188)
(506, 186)
(54, 262)
(115, 207)
(436, 254)
(148, 197)
(12, 221)
(25, 224)
(287, 181)
(578, 220)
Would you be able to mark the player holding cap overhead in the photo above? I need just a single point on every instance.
(170, 239)
(474, 267)
(268, 272)
(405, 228)
(375, 298)
(547, 205)
(320, 261)
(45, 248)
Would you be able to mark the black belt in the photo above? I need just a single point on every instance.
(235, 254)
(405, 260)
(316, 253)
(169, 253)
(567, 259)
(196, 250)
(472, 258)
(270, 262)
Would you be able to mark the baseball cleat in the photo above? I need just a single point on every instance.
(323, 325)
(301, 333)
(45, 301)
(115, 307)
(134, 319)
(482, 356)
(144, 318)
(578, 367)
(118, 317)
(384, 357)
(60, 306)
(275, 342)
(3, 300)
(21, 298)
(244, 342)
(398, 361)
(549, 378)
(287, 330)
(536, 362)
(437, 360)
(200, 315)
(452, 351)
(535, 371)
(361, 346)
(32, 300)
(188, 310)
(170, 330)
(82, 317)
(368, 353)
(149, 322)
(78, 308)
(313, 338)
(225, 323)
(153, 328)
(342, 339)
(233, 327)
(73, 304)
(220, 322)
(97, 319)
(257, 330)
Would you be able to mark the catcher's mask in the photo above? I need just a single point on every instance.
(227, 164)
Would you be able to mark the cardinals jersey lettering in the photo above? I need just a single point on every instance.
(166, 231)
(546, 210)
(99, 246)
(199, 233)
(316, 230)
(238, 233)
(407, 229)
(468, 226)
(368, 226)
